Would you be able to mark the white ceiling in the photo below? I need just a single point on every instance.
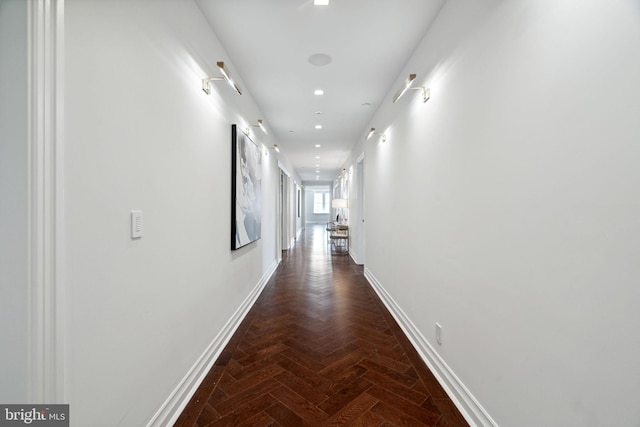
(269, 43)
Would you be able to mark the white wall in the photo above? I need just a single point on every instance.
(13, 202)
(141, 134)
(516, 190)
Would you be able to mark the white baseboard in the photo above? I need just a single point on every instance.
(354, 255)
(178, 399)
(468, 405)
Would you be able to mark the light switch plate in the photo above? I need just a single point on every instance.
(136, 224)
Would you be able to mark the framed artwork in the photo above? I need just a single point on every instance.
(246, 186)
(299, 201)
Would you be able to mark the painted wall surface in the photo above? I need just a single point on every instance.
(13, 202)
(141, 134)
(516, 187)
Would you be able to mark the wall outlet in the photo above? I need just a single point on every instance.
(438, 333)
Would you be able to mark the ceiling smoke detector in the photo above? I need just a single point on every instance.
(320, 59)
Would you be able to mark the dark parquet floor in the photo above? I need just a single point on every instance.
(319, 349)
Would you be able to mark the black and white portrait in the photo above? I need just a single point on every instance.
(246, 215)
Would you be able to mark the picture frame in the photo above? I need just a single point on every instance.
(246, 189)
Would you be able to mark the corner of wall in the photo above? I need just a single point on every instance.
(171, 409)
(466, 403)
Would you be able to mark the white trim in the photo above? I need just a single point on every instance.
(46, 207)
(180, 396)
(283, 169)
(360, 209)
(354, 255)
(468, 405)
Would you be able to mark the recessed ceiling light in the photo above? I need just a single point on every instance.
(320, 2)
(317, 166)
(317, 157)
(318, 145)
(318, 112)
(318, 92)
(318, 126)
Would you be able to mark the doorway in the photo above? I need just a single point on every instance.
(283, 214)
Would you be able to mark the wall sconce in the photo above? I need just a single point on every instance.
(206, 83)
(275, 147)
(383, 136)
(259, 125)
(407, 85)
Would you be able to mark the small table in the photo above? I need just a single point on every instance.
(339, 238)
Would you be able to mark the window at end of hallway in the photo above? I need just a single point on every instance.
(321, 202)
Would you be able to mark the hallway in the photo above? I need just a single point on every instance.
(319, 348)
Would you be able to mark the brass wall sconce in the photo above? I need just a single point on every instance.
(408, 85)
(206, 83)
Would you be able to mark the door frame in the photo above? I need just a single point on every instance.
(361, 207)
(46, 275)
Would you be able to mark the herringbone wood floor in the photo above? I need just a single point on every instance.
(319, 349)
